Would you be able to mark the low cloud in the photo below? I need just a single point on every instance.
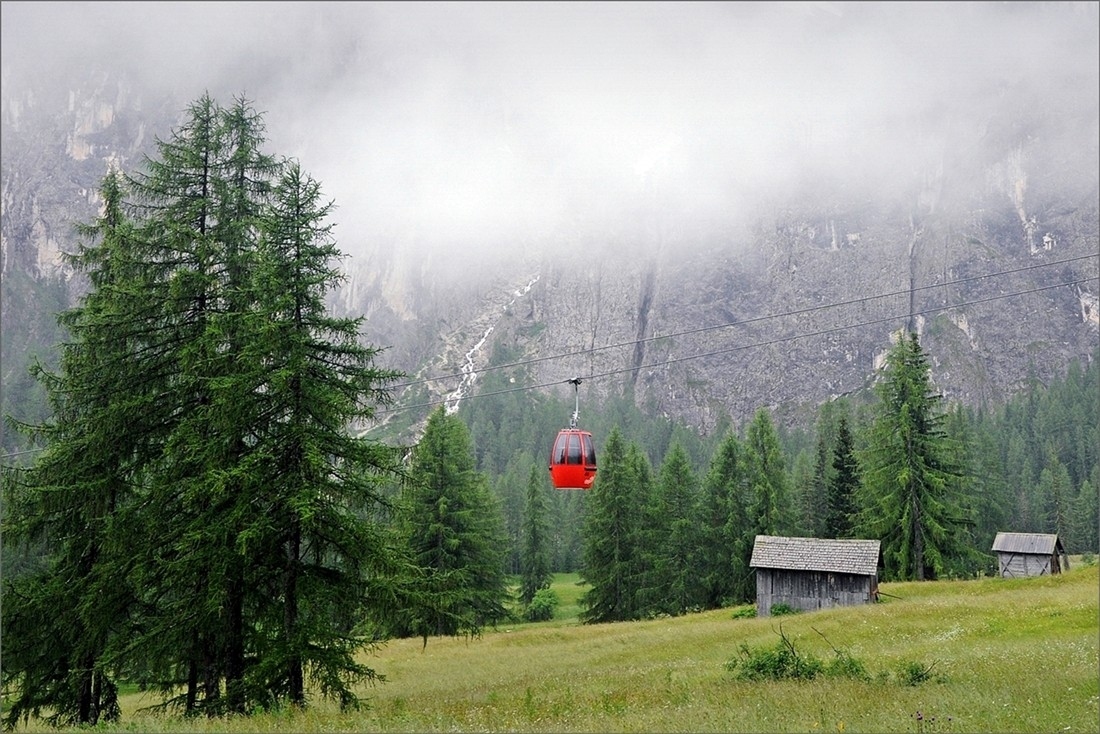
(490, 125)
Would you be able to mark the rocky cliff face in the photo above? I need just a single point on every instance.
(794, 309)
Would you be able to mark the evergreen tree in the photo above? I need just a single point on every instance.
(815, 494)
(673, 581)
(1056, 491)
(536, 549)
(911, 485)
(843, 485)
(455, 535)
(723, 527)
(770, 506)
(205, 502)
(321, 552)
(1085, 518)
(610, 536)
(62, 624)
(989, 489)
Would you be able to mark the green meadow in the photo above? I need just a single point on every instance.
(997, 656)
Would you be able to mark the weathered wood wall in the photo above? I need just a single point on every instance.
(811, 590)
(1018, 565)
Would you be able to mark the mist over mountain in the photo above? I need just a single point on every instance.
(720, 206)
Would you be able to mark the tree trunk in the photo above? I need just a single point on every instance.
(295, 681)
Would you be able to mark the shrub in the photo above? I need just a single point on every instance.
(542, 606)
(781, 609)
(781, 662)
(846, 666)
(912, 673)
(784, 662)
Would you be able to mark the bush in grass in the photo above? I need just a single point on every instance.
(776, 663)
(780, 662)
(784, 662)
(542, 606)
(912, 673)
(846, 666)
(781, 610)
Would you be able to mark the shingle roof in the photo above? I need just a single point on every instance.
(1037, 543)
(816, 554)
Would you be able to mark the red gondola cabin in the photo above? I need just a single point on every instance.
(573, 460)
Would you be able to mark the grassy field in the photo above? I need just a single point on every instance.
(1005, 656)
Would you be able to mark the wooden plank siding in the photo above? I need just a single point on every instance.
(809, 591)
(1029, 554)
(814, 573)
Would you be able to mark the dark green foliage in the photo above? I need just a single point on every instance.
(843, 665)
(455, 536)
(536, 574)
(671, 548)
(779, 662)
(780, 610)
(843, 485)
(770, 508)
(784, 662)
(612, 562)
(913, 485)
(542, 606)
(203, 505)
(725, 534)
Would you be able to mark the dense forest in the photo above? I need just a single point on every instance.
(1030, 465)
(199, 518)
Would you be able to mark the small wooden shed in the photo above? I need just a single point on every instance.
(1029, 554)
(814, 573)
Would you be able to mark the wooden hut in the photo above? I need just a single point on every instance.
(814, 573)
(1029, 554)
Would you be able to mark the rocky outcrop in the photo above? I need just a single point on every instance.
(787, 312)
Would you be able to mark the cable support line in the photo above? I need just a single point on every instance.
(779, 340)
(20, 453)
(907, 315)
(755, 319)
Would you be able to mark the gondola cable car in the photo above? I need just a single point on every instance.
(573, 456)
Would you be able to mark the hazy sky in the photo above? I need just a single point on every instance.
(503, 123)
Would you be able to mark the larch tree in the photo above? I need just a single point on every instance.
(202, 495)
(322, 553)
(62, 626)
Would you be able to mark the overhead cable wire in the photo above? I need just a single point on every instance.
(778, 340)
(728, 324)
(798, 312)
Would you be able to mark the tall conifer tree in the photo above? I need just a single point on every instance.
(455, 535)
(536, 538)
(911, 499)
(204, 498)
(610, 537)
(63, 625)
(843, 485)
(770, 504)
(726, 540)
(673, 583)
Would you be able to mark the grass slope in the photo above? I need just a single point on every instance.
(1006, 656)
